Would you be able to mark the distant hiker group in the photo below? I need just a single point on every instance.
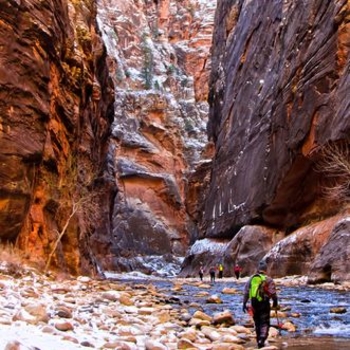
(217, 270)
(212, 272)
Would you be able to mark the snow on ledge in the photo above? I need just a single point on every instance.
(210, 245)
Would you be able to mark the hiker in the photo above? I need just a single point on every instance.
(201, 272)
(237, 270)
(260, 289)
(212, 274)
(221, 270)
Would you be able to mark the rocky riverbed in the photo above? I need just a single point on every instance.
(53, 312)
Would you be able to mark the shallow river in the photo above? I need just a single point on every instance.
(317, 327)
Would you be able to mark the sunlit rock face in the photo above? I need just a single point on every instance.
(248, 247)
(295, 254)
(69, 69)
(278, 90)
(332, 262)
(158, 57)
(55, 112)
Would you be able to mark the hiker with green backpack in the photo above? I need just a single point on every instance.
(260, 289)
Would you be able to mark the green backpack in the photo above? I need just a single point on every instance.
(258, 287)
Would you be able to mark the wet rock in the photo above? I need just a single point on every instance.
(151, 344)
(214, 299)
(241, 329)
(64, 326)
(16, 345)
(64, 312)
(274, 331)
(224, 317)
(118, 345)
(227, 290)
(113, 296)
(199, 322)
(189, 334)
(186, 316)
(329, 266)
(202, 316)
(229, 338)
(338, 310)
(280, 314)
(288, 326)
(211, 333)
(87, 344)
(146, 311)
(24, 316)
(186, 344)
(227, 346)
(70, 338)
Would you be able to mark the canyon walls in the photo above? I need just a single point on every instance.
(103, 118)
(278, 92)
(55, 112)
(278, 95)
(108, 156)
(158, 58)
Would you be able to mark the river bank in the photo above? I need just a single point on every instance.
(132, 312)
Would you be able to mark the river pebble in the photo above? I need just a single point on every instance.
(85, 313)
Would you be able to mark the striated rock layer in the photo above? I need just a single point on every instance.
(158, 57)
(103, 116)
(56, 109)
(278, 93)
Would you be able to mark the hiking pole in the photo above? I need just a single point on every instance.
(278, 323)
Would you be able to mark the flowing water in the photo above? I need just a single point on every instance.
(317, 327)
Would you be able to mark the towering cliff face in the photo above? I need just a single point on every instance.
(55, 112)
(103, 119)
(103, 116)
(159, 61)
(278, 93)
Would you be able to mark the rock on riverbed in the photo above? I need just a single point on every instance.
(38, 312)
(41, 312)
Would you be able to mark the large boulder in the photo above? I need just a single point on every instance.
(332, 264)
(295, 254)
(248, 247)
(204, 253)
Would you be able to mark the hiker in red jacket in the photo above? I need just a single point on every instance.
(237, 270)
(260, 289)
